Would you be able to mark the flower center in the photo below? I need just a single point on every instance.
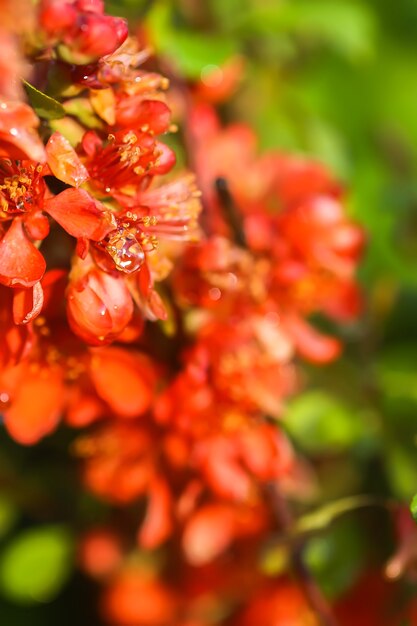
(19, 187)
(124, 161)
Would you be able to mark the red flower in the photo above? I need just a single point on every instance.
(125, 163)
(99, 305)
(80, 30)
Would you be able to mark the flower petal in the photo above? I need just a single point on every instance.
(21, 263)
(311, 344)
(80, 215)
(208, 533)
(27, 304)
(36, 405)
(37, 225)
(123, 379)
(64, 162)
(152, 115)
(17, 131)
(157, 525)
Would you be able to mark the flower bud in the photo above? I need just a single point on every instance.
(99, 307)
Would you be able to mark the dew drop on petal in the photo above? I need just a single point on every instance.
(4, 397)
(126, 252)
(215, 293)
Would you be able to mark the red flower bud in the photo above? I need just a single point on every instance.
(99, 306)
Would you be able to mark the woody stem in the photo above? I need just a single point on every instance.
(310, 588)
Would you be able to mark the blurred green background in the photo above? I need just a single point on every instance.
(335, 79)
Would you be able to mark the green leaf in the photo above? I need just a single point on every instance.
(322, 518)
(36, 564)
(396, 371)
(336, 559)
(318, 421)
(400, 465)
(413, 508)
(45, 106)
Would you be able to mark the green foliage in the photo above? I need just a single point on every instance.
(35, 564)
(319, 421)
(337, 558)
(45, 106)
(188, 51)
(321, 518)
(347, 27)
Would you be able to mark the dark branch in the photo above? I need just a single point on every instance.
(230, 212)
(311, 590)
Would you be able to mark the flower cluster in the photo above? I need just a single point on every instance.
(98, 239)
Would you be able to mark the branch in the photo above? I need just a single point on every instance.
(230, 212)
(310, 588)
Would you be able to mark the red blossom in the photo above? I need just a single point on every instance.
(99, 305)
(80, 30)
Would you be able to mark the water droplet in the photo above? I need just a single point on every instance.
(272, 317)
(126, 252)
(215, 293)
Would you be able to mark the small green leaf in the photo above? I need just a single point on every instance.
(413, 508)
(322, 518)
(45, 106)
(36, 564)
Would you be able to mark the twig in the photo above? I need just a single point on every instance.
(230, 212)
(311, 590)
